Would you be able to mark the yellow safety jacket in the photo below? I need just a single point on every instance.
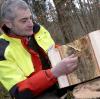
(44, 39)
(15, 61)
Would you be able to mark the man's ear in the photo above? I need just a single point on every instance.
(8, 24)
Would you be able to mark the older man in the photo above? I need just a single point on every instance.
(25, 69)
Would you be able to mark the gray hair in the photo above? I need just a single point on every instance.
(1, 2)
(9, 8)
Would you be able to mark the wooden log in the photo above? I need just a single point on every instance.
(89, 57)
(88, 50)
(88, 90)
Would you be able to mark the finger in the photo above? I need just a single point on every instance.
(72, 55)
(74, 67)
(71, 60)
(71, 64)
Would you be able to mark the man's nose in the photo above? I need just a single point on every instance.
(30, 22)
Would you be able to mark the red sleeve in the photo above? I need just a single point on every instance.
(38, 82)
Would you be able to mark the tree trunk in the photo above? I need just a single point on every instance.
(64, 21)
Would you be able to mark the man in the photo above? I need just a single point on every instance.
(25, 69)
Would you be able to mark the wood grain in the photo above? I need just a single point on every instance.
(88, 67)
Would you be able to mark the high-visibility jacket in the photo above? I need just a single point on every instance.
(21, 65)
(44, 39)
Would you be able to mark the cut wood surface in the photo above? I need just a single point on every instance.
(87, 75)
(88, 58)
(88, 51)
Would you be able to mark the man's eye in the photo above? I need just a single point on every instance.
(23, 21)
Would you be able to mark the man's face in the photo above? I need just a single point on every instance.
(22, 24)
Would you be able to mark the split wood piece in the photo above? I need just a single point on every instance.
(88, 50)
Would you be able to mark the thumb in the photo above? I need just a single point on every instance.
(72, 55)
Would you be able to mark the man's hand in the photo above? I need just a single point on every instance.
(66, 66)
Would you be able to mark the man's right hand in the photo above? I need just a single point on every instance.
(66, 66)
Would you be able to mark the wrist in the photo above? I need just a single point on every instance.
(54, 73)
